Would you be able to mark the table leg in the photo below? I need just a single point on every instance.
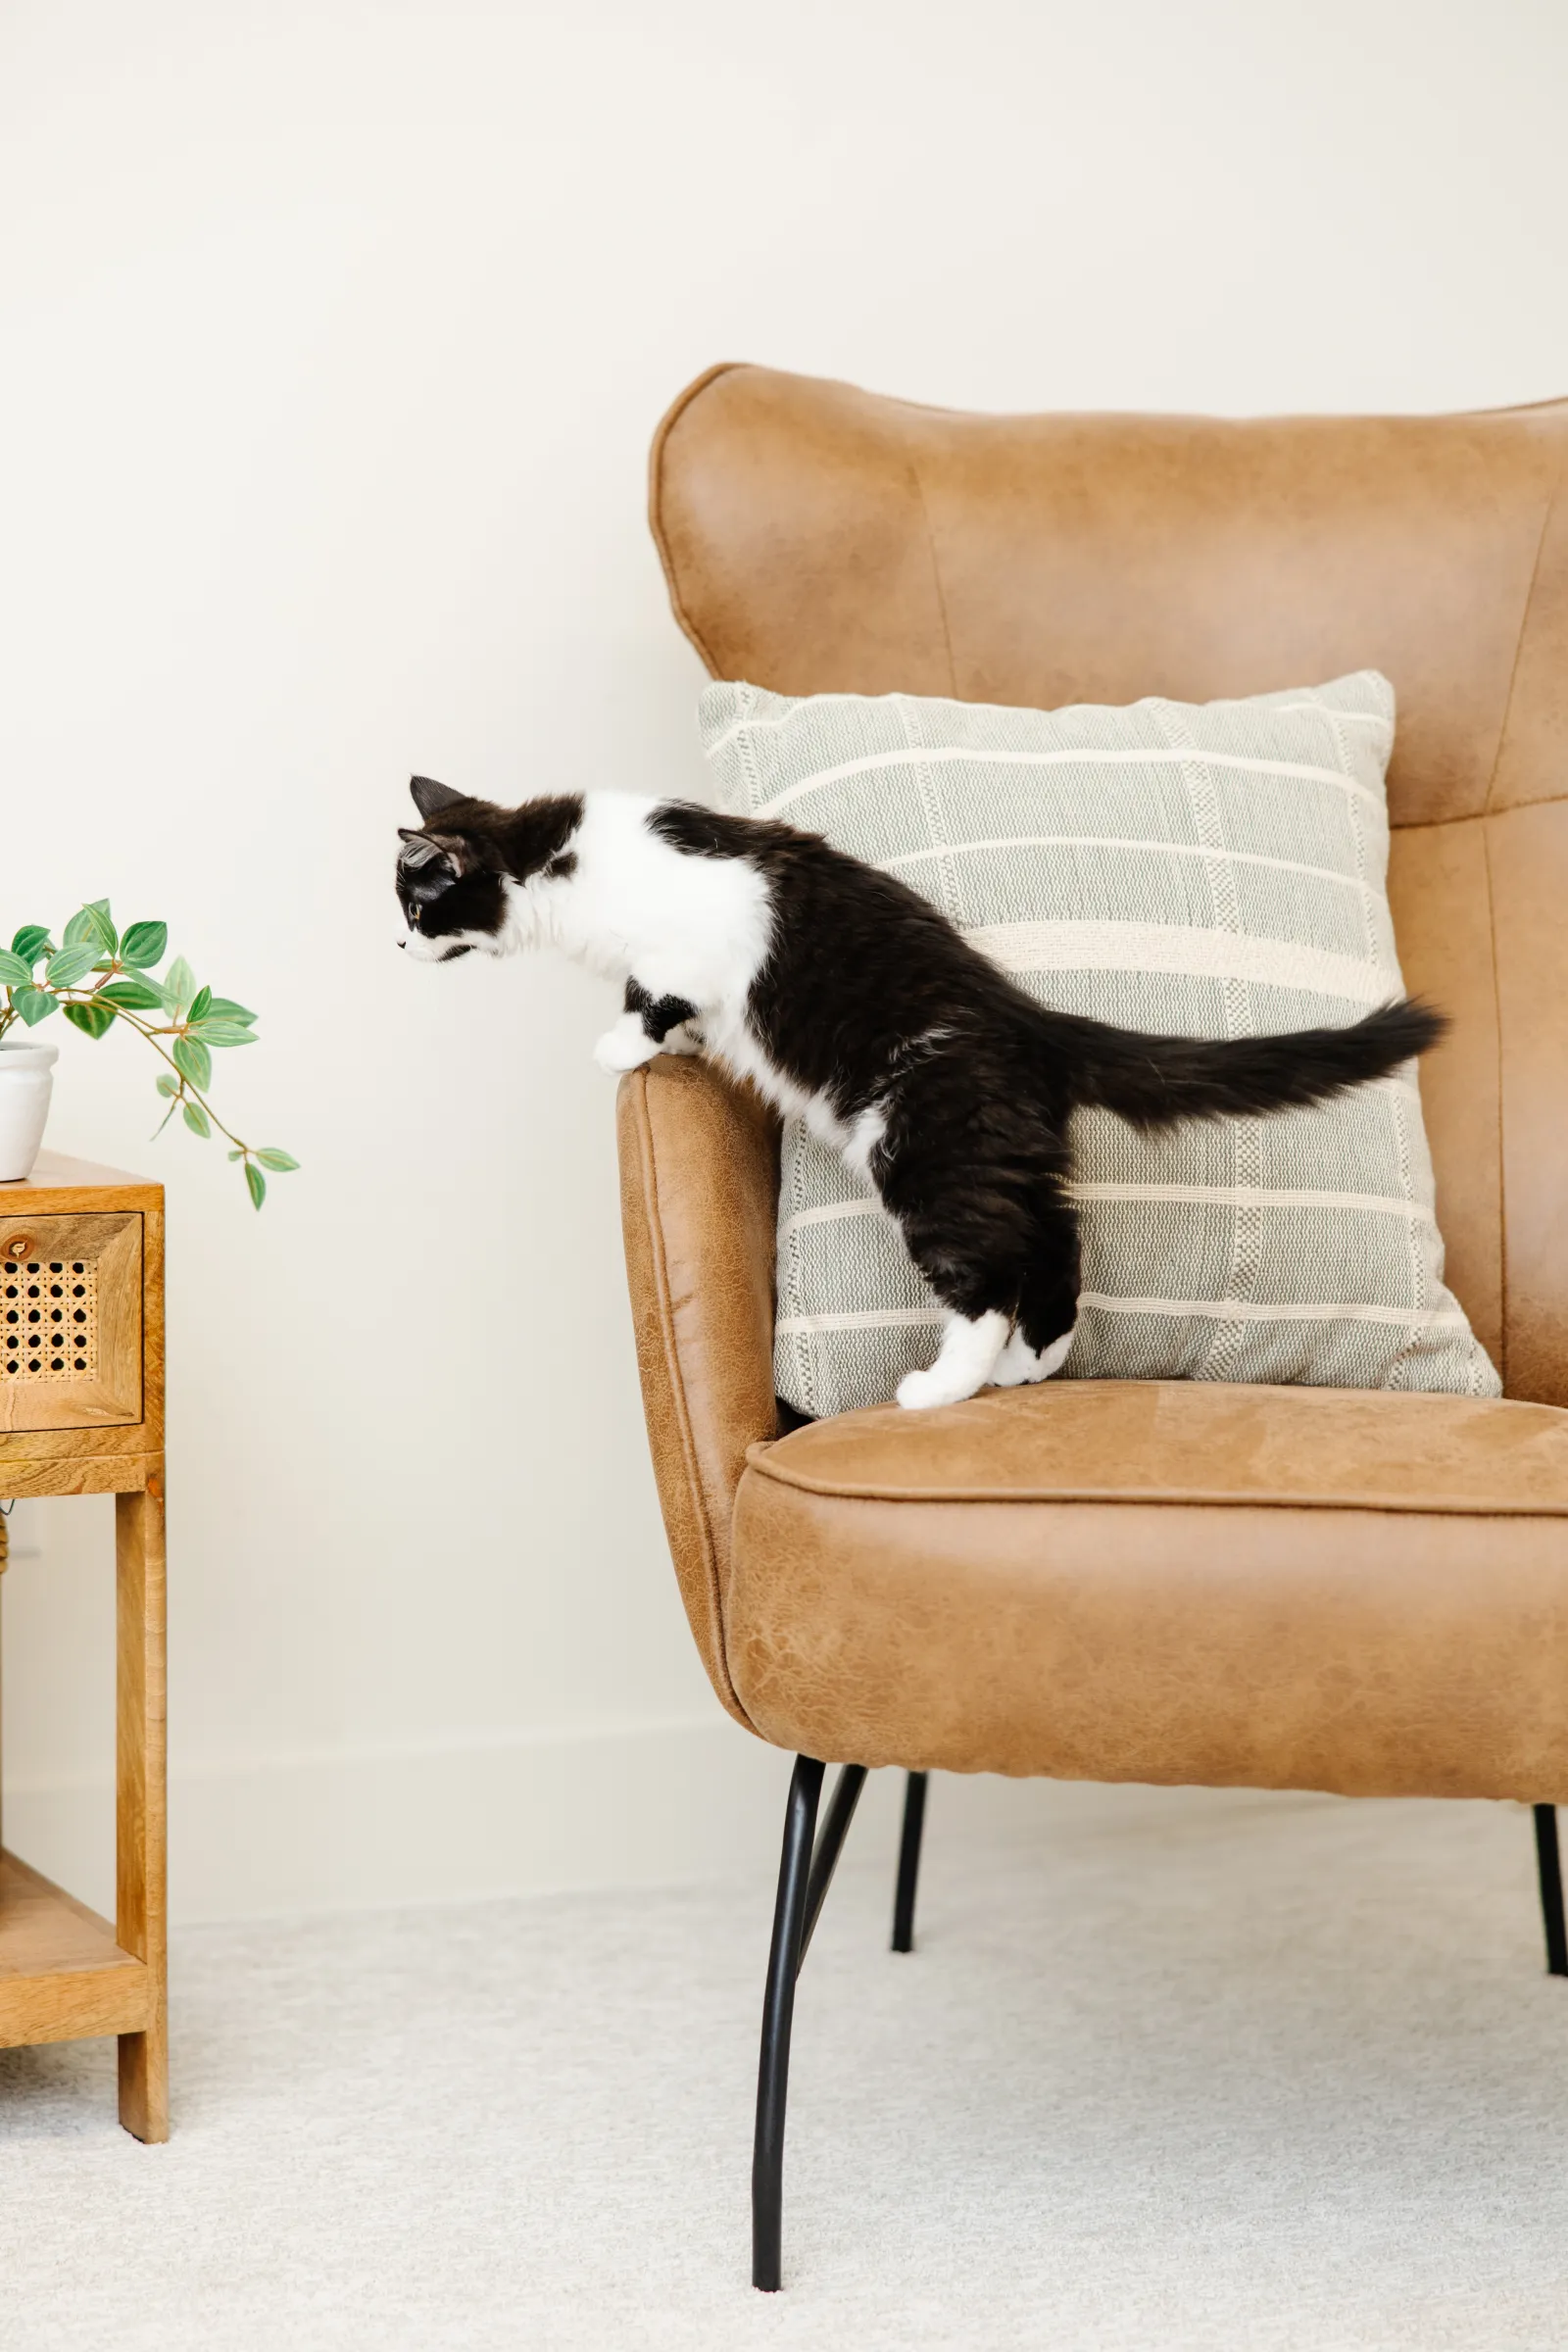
(140, 1819)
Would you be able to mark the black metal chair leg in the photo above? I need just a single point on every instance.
(778, 2013)
(909, 1863)
(825, 1856)
(1549, 1864)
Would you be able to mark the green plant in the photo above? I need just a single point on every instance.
(98, 977)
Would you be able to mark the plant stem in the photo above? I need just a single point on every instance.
(188, 1092)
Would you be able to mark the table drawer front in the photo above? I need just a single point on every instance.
(71, 1321)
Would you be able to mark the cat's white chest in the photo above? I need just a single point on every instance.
(681, 925)
(684, 926)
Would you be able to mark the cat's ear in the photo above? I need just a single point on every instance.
(454, 850)
(420, 850)
(429, 796)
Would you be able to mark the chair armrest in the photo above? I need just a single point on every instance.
(699, 1197)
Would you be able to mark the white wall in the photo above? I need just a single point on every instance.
(334, 338)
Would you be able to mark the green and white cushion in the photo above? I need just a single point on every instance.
(1207, 870)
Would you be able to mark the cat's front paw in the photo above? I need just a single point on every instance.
(624, 1048)
(920, 1392)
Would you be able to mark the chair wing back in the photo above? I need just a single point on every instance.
(819, 538)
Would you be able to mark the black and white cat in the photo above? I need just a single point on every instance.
(849, 1001)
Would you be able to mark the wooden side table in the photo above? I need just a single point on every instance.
(81, 1412)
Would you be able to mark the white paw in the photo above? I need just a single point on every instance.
(918, 1391)
(966, 1361)
(622, 1050)
(684, 1040)
(1050, 1360)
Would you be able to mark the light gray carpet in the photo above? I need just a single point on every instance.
(1192, 2072)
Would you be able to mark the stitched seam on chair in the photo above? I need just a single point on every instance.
(1471, 816)
(655, 499)
(1543, 800)
(1519, 647)
(688, 1444)
(936, 573)
(1431, 1507)
(1502, 1124)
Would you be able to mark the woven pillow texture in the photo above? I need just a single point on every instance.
(1210, 870)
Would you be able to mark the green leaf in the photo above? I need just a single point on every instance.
(29, 943)
(193, 1061)
(14, 970)
(91, 1019)
(225, 1008)
(143, 944)
(257, 1182)
(196, 1119)
(180, 986)
(67, 965)
(278, 1160)
(222, 1033)
(199, 1003)
(34, 1004)
(167, 1085)
(137, 995)
(92, 923)
(236, 1155)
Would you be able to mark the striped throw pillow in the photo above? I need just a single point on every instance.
(1210, 870)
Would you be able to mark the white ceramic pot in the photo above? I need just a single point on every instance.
(27, 1081)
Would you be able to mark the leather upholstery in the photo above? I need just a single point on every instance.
(1368, 1652)
(1288, 1588)
(699, 1197)
(1192, 1442)
(1167, 1581)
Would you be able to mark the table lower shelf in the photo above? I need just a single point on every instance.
(62, 1974)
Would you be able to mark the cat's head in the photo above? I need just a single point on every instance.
(472, 876)
(451, 876)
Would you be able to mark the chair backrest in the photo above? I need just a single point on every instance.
(819, 538)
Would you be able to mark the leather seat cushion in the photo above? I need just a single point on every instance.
(1366, 1593)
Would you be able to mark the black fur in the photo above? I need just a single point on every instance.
(660, 1014)
(871, 996)
(870, 999)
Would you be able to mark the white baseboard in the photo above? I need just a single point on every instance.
(462, 1820)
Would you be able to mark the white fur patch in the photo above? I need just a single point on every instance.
(692, 928)
(864, 1135)
(442, 949)
(1020, 1364)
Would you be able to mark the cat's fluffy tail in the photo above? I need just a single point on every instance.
(1154, 1081)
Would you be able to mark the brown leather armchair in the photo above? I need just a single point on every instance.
(1126, 1581)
